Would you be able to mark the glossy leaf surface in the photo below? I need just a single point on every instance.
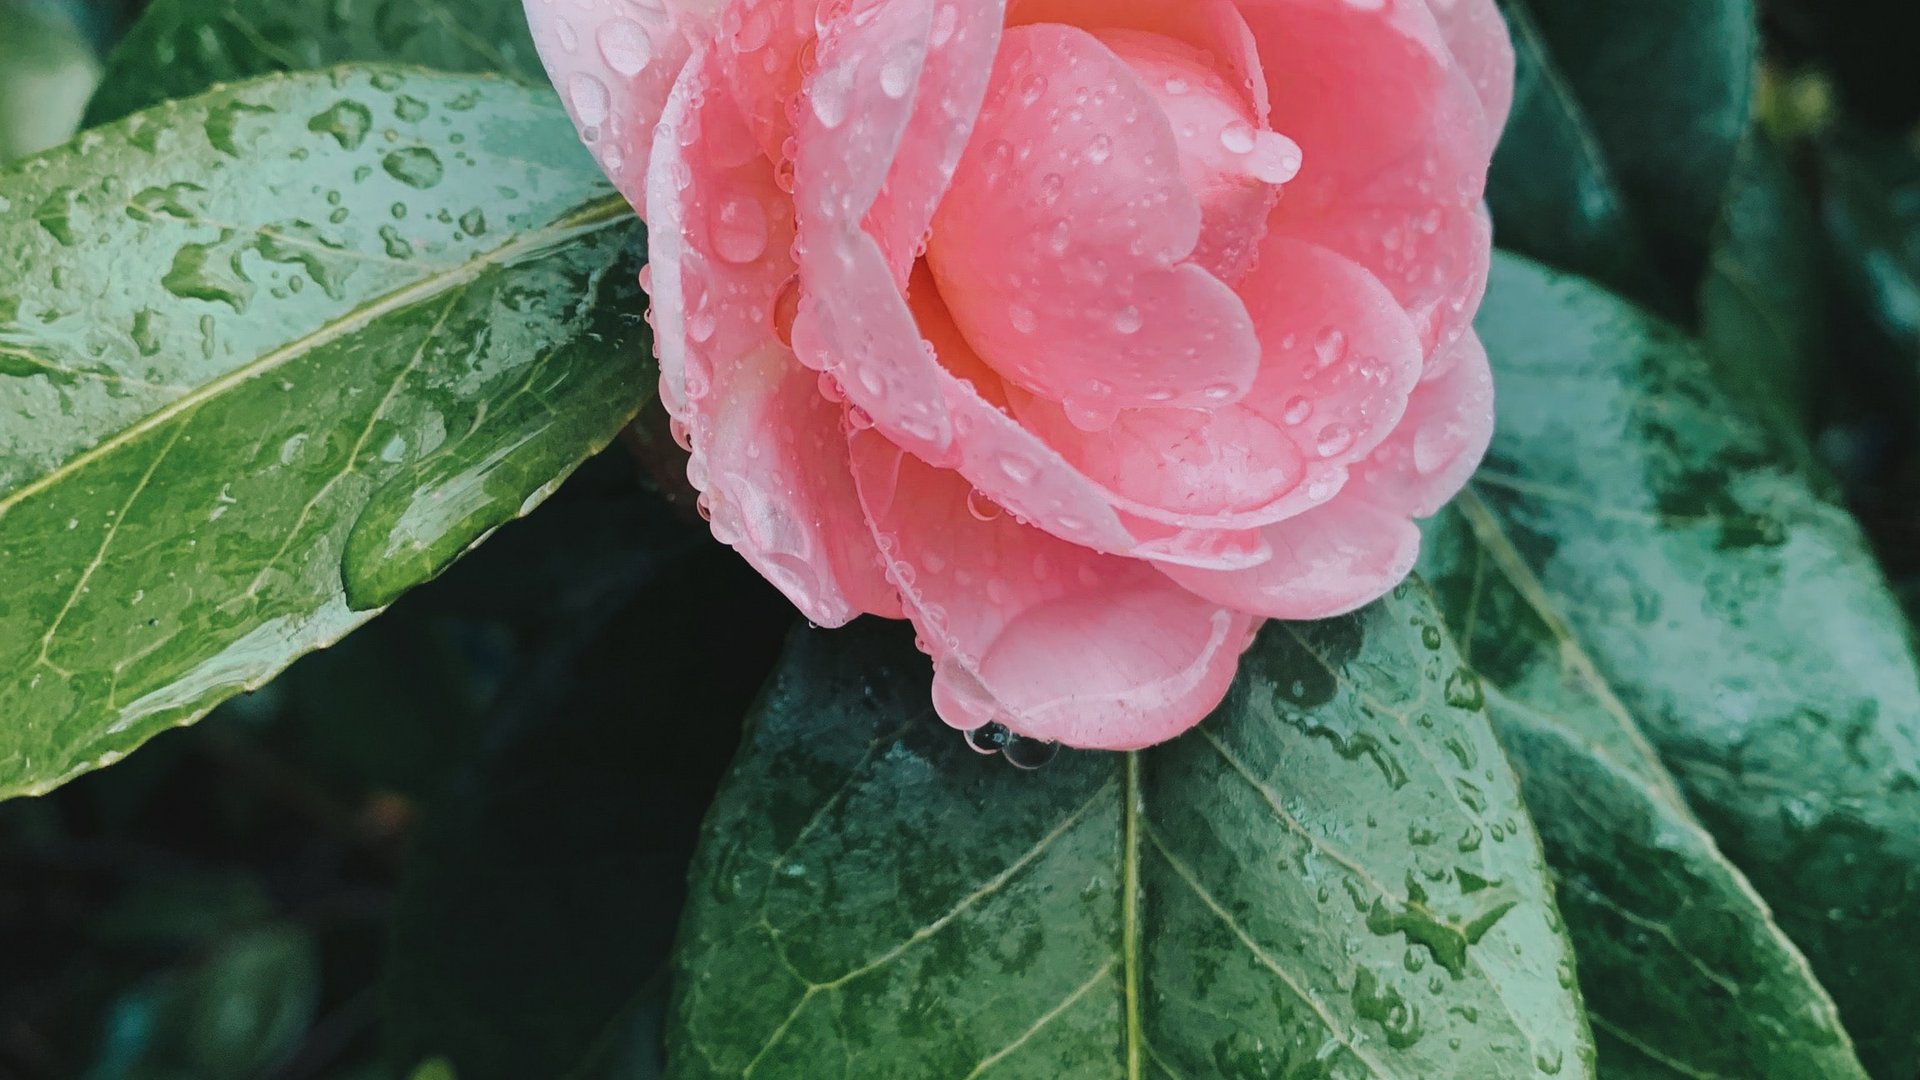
(1332, 877)
(1627, 118)
(1684, 971)
(1736, 612)
(254, 387)
(180, 48)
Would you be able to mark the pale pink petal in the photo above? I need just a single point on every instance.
(1059, 248)
(766, 447)
(1228, 161)
(613, 64)
(855, 324)
(1326, 562)
(1339, 359)
(876, 62)
(1212, 26)
(887, 115)
(1393, 177)
(1477, 35)
(1056, 642)
(763, 48)
(1186, 461)
(1439, 444)
(946, 103)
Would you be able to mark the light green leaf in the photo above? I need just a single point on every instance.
(1684, 971)
(1627, 116)
(349, 319)
(1333, 877)
(1736, 613)
(180, 48)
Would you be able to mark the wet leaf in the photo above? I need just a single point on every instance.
(254, 387)
(1333, 877)
(1684, 971)
(180, 48)
(1736, 613)
(1627, 116)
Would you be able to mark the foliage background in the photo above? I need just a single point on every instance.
(458, 842)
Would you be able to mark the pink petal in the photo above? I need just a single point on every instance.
(1393, 177)
(1055, 641)
(1439, 444)
(766, 446)
(1339, 359)
(858, 328)
(614, 66)
(1059, 248)
(1326, 562)
(946, 104)
(887, 115)
(1212, 26)
(1477, 35)
(1227, 160)
(763, 48)
(1187, 461)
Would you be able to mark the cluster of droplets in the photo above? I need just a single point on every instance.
(623, 48)
(1018, 750)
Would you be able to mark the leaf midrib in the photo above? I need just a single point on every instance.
(592, 216)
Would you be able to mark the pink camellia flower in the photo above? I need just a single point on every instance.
(1083, 333)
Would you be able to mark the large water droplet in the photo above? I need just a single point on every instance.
(414, 166)
(625, 46)
(740, 229)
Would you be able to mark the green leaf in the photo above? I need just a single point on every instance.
(1684, 971)
(1762, 311)
(1627, 116)
(46, 72)
(270, 356)
(180, 48)
(1734, 610)
(1332, 878)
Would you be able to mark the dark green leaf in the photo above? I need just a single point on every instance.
(1762, 303)
(268, 357)
(180, 48)
(1684, 972)
(1736, 612)
(1627, 116)
(1332, 878)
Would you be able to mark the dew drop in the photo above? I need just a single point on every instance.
(1237, 137)
(625, 46)
(1336, 438)
(740, 229)
(982, 507)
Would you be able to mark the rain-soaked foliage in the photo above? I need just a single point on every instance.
(321, 351)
